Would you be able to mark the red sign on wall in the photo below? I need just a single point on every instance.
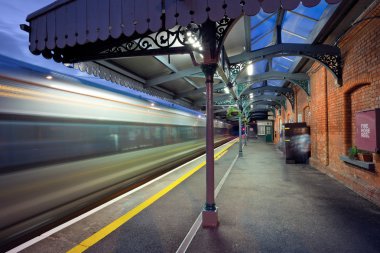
(368, 130)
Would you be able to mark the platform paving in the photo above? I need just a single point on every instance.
(264, 205)
(269, 206)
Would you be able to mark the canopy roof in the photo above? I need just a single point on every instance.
(67, 24)
(72, 22)
(296, 26)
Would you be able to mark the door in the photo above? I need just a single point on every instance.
(268, 134)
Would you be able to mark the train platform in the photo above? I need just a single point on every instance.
(264, 205)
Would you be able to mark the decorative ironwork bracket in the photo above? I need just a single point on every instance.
(179, 40)
(329, 56)
(236, 68)
(226, 102)
(222, 28)
(303, 84)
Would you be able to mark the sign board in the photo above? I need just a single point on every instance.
(264, 123)
(367, 135)
(299, 119)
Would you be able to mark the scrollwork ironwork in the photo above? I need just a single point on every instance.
(333, 62)
(182, 35)
(235, 70)
(227, 102)
(221, 31)
(304, 84)
(241, 87)
(290, 97)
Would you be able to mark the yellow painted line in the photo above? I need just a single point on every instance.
(222, 154)
(90, 241)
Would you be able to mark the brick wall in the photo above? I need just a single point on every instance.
(330, 111)
(333, 124)
(302, 105)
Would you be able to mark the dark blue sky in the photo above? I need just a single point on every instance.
(14, 42)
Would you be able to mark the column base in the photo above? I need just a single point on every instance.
(210, 218)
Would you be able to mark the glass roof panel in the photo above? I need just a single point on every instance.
(281, 62)
(260, 17)
(290, 58)
(277, 83)
(263, 28)
(292, 38)
(257, 85)
(263, 42)
(280, 68)
(315, 12)
(297, 24)
(259, 67)
(253, 69)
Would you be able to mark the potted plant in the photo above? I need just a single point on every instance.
(233, 112)
(365, 156)
(353, 152)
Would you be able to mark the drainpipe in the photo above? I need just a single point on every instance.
(327, 121)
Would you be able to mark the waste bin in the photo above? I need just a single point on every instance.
(297, 142)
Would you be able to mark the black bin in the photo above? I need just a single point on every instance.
(297, 142)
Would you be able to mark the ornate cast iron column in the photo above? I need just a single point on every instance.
(245, 134)
(212, 34)
(210, 212)
(240, 125)
(240, 139)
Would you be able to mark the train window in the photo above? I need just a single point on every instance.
(156, 132)
(146, 132)
(132, 134)
(174, 132)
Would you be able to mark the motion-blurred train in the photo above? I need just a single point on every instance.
(65, 144)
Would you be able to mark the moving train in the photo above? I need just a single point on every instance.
(65, 144)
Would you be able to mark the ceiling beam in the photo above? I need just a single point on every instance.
(195, 91)
(277, 38)
(171, 77)
(265, 102)
(273, 75)
(288, 49)
(167, 64)
(272, 89)
(329, 56)
(247, 29)
(201, 75)
(221, 110)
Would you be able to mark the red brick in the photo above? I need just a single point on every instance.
(333, 108)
